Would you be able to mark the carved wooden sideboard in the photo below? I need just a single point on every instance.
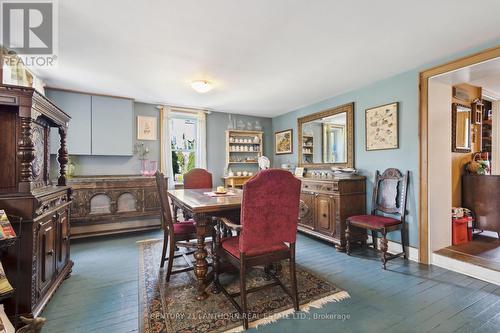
(39, 211)
(113, 204)
(325, 205)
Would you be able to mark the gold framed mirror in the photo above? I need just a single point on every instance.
(461, 128)
(326, 138)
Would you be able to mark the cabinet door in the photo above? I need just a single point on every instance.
(306, 210)
(78, 106)
(62, 241)
(112, 126)
(325, 214)
(46, 253)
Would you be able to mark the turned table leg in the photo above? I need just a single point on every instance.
(201, 265)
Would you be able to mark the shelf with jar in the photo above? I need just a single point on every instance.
(243, 149)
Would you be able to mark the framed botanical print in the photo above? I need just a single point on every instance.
(146, 128)
(381, 125)
(283, 141)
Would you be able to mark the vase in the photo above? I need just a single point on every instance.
(258, 126)
(241, 125)
(230, 125)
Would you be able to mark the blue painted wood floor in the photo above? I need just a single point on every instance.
(102, 293)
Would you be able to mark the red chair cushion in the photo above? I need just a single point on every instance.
(187, 227)
(372, 221)
(231, 245)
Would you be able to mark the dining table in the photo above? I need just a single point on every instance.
(203, 205)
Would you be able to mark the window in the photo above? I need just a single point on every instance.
(183, 133)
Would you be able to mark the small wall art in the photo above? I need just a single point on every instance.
(146, 128)
(381, 124)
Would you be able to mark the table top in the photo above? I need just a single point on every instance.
(198, 202)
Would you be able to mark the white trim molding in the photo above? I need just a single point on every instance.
(465, 268)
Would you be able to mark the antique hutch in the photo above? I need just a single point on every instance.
(38, 209)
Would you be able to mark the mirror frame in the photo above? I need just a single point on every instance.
(349, 110)
(454, 147)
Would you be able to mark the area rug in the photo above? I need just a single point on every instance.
(171, 307)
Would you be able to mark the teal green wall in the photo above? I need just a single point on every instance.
(402, 88)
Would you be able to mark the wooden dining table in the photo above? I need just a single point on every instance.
(202, 207)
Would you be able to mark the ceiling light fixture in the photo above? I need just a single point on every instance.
(202, 86)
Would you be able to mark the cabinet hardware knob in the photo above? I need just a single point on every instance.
(324, 215)
(50, 253)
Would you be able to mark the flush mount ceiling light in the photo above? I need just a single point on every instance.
(202, 86)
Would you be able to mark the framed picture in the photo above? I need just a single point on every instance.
(381, 125)
(299, 172)
(146, 128)
(283, 141)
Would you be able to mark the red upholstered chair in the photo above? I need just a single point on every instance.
(179, 233)
(197, 178)
(267, 233)
(389, 198)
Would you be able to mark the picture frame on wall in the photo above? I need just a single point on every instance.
(283, 142)
(382, 127)
(147, 128)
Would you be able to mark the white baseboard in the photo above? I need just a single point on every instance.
(462, 267)
(394, 247)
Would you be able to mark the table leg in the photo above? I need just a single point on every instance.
(201, 265)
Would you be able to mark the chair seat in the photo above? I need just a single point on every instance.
(231, 245)
(372, 221)
(186, 227)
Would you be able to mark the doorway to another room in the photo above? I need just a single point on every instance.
(463, 170)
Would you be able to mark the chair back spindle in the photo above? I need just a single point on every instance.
(166, 215)
(390, 191)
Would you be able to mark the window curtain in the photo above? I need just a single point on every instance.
(201, 139)
(166, 147)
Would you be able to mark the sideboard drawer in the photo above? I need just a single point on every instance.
(327, 187)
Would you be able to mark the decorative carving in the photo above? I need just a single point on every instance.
(37, 166)
(49, 204)
(26, 150)
(62, 157)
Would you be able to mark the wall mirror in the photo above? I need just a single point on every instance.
(326, 138)
(461, 128)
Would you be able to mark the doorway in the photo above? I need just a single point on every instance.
(476, 78)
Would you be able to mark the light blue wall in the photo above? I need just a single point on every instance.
(217, 123)
(402, 88)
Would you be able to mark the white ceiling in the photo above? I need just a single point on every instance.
(266, 57)
(485, 75)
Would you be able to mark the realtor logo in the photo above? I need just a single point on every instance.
(28, 27)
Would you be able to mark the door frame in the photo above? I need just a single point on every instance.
(423, 134)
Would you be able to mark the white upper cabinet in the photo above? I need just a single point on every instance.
(99, 125)
(112, 126)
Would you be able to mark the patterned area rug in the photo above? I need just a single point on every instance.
(171, 307)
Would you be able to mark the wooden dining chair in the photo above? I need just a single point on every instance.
(197, 178)
(267, 234)
(175, 235)
(389, 198)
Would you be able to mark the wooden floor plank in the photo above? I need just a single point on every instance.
(102, 293)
